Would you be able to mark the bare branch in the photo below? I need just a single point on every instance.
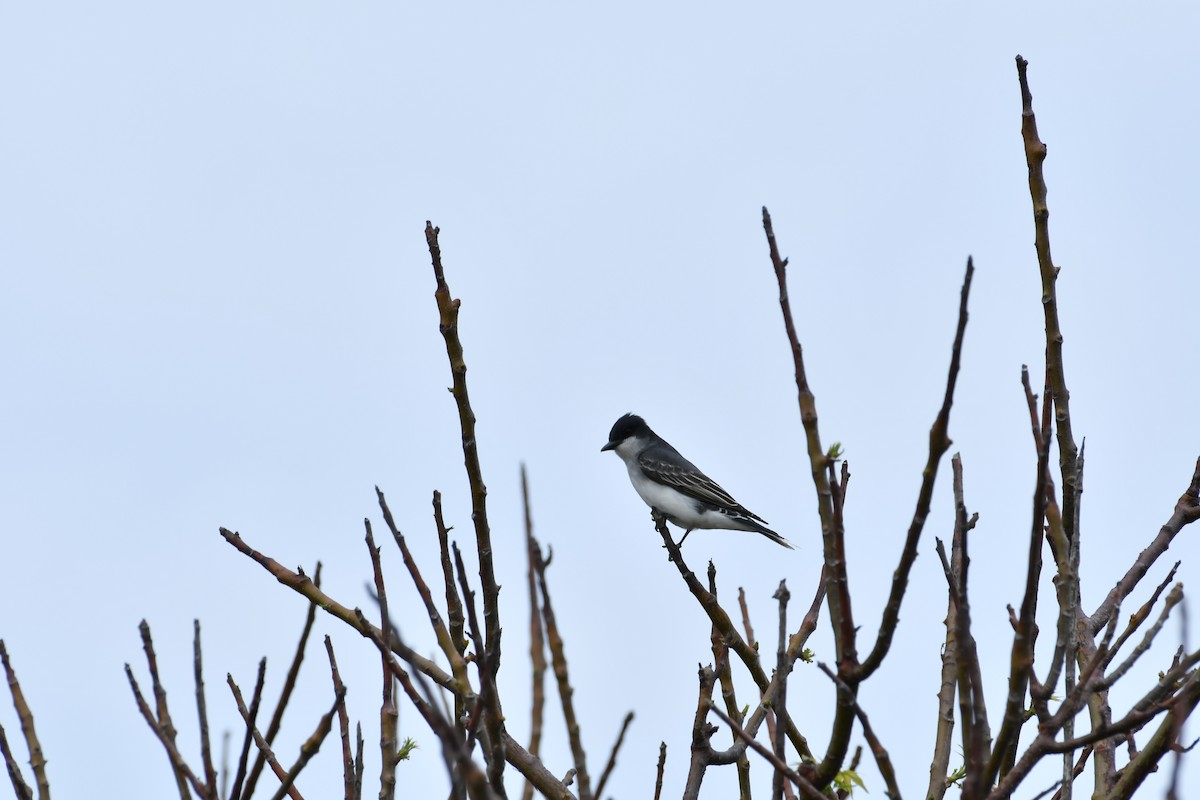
(263, 746)
(177, 763)
(289, 684)
(343, 721)
(537, 644)
(800, 782)
(662, 762)
(612, 756)
(301, 584)
(558, 660)
(448, 312)
(939, 443)
(882, 759)
(210, 774)
(25, 716)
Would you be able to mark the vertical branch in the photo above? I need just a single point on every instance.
(458, 665)
(558, 659)
(388, 713)
(782, 668)
(454, 609)
(488, 703)
(662, 763)
(448, 313)
(702, 731)
(25, 716)
(161, 712)
(720, 651)
(210, 774)
(339, 688)
(1004, 754)
(838, 593)
(1035, 157)
(943, 742)
(537, 645)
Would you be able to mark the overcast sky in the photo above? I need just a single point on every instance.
(217, 309)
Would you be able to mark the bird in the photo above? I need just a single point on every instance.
(675, 487)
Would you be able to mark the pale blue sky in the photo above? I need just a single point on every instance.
(217, 310)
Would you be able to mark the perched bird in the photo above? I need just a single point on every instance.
(674, 487)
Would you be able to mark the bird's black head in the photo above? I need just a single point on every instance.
(627, 426)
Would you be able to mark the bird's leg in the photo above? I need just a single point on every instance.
(685, 535)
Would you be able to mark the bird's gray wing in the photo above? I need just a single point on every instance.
(667, 467)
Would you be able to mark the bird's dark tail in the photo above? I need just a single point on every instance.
(770, 534)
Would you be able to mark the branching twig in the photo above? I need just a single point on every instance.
(803, 784)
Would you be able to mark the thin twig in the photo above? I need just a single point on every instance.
(939, 443)
(662, 762)
(458, 665)
(558, 661)
(612, 756)
(388, 712)
(882, 759)
(21, 788)
(343, 722)
(289, 683)
(163, 713)
(210, 774)
(801, 783)
(173, 754)
(537, 644)
(263, 746)
(301, 584)
(311, 745)
(255, 702)
(782, 668)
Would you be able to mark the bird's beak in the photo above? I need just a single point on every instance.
(609, 446)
